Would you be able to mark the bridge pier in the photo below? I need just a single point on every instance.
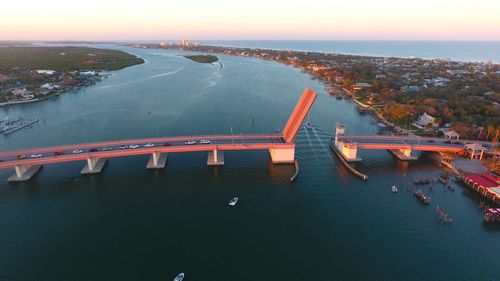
(94, 165)
(403, 154)
(157, 160)
(24, 173)
(282, 155)
(215, 158)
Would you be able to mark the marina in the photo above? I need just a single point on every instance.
(10, 126)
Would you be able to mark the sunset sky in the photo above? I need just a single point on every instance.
(257, 19)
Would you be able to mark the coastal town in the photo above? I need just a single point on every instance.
(29, 74)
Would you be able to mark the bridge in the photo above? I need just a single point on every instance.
(28, 162)
(400, 146)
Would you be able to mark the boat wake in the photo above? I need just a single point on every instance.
(143, 79)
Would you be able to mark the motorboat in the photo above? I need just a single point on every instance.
(233, 201)
(308, 125)
(179, 277)
(394, 189)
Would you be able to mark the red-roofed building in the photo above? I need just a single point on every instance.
(486, 184)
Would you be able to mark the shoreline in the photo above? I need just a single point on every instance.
(364, 54)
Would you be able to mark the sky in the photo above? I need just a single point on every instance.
(251, 19)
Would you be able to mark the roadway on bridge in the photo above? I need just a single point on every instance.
(137, 147)
(418, 143)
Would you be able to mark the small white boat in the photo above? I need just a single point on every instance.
(394, 189)
(308, 125)
(233, 201)
(179, 277)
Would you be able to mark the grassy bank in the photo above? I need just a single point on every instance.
(64, 58)
(202, 58)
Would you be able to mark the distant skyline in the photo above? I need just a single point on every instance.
(250, 20)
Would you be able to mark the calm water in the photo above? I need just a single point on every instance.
(455, 50)
(132, 224)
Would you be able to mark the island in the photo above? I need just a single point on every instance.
(30, 73)
(202, 58)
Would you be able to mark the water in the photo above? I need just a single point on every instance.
(477, 51)
(132, 224)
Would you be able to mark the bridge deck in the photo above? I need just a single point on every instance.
(110, 149)
(402, 142)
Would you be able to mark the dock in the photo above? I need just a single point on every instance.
(9, 127)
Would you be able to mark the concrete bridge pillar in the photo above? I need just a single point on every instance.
(157, 160)
(339, 130)
(24, 173)
(403, 154)
(215, 158)
(94, 165)
(282, 155)
(349, 151)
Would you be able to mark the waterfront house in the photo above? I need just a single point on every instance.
(475, 150)
(49, 86)
(424, 120)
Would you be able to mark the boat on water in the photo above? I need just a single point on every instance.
(422, 197)
(233, 201)
(394, 189)
(443, 178)
(422, 181)
(443, 216)
(179, 277)
(308, 125)
(492, 215)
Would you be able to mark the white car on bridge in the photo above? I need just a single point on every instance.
(149, 145)
(77, 151)
(134, 146)
(189, 142)
(205, 142)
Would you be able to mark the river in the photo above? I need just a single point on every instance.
(129, 223)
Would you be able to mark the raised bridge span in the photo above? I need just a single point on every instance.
(281, 148)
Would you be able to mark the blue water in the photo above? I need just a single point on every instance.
(129, 223)
(478, 51)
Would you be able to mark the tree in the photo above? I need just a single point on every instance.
(489, 130)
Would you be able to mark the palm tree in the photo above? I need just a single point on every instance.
(489, 130)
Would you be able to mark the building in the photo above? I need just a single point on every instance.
(475, 150)
(186, 42)
(424, 120)
(49, 86)
(360, 85)
(451, 135)
(486, 184)
(45, 71)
